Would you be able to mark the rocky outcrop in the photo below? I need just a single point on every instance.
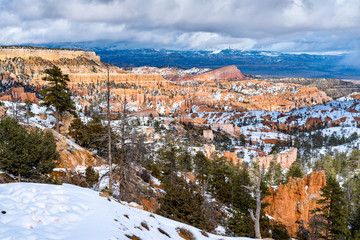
(72, 155)
(232, 157)
(66, 120)
(209, 150)
(285, 158)
(292, 202)
(227, 127)
(18, 94)
(208, 134)
(49, 54)
(225, 73)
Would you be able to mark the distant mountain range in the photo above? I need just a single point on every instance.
(257, 63)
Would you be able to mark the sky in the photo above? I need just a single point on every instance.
(274, 25)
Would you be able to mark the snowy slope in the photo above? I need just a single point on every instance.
(42, 211)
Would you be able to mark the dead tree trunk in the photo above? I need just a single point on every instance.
(109, 131)
(258, 198)
(122, 160)
(57, 120)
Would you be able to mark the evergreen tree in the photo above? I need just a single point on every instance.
(354, 159)
(78, 131)
(219, 183)
(279, 232)
(303, 233)
(169, 163)
(26, 154)
(91, 176)
(274, 175)
(91, 135)
(185, 161)
(317, 225)
(355, 225)
(294, 171)
(334, 210)
(28, 113)
(182, 202)
(202, 168)
(240, 223)
(57, 94)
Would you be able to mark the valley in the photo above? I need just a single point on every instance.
(198, 135)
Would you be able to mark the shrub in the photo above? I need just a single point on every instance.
(204, 233)
(144, 175)
(91, 176)
(279, 232)
(186, 233)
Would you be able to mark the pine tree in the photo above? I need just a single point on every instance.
(28, 113)
(294, 171)
(169, 157)
(334, 210)
(240, 223)
(182, 202)
(26, 154)
(57, 94)
(186, 161)
(219, 183)
(202, 168)
(77, 131)
(355, 225)
(274, 176)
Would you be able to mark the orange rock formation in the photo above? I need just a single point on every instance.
(292, 202)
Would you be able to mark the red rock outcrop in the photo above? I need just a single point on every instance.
(225, 73)
(292, 202)
(18, 94)
(232, 157)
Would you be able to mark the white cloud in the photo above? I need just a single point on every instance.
(246, 24)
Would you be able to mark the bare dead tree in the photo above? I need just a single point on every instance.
(124, 149)
(109, 131)
(256, 189)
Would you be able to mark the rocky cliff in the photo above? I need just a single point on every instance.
(292, 202)
(48, 54)
(285, 158)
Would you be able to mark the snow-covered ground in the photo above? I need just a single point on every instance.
(32, 211)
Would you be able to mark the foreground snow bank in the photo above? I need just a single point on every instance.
(41, 211)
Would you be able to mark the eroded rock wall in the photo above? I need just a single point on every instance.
(293, 201)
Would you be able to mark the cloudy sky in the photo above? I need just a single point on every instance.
(279, 25)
